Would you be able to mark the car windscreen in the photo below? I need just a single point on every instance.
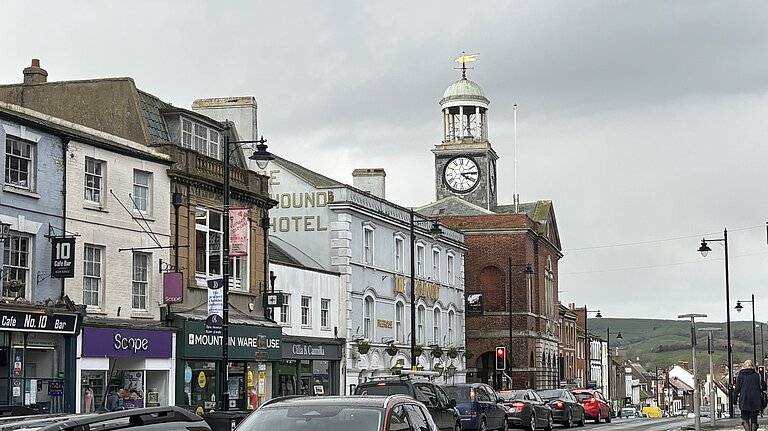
(462, 394)
(550, 395)
(583, 396)
(383, 389)
(511, 395)
(313, 418)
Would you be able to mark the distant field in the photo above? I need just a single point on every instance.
(665, 342)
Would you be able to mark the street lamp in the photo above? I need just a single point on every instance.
(435, 231)
(738, 308)
(587, 366)
(527, 270)
(696, 400)
(610, 361)
(704, 250)
(262, 157)
(713, 408)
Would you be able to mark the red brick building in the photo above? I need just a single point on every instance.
(496, 236)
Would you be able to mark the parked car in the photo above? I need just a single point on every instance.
(478, 406)
(143, 419)
(441, 408)
(595, 406)
(340, 413)
(565, 407)
(628, 412)
(526, 409)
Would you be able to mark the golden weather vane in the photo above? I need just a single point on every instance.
(464, 59)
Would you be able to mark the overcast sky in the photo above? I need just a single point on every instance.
(643, 121)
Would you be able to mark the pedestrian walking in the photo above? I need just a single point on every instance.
(749, 395)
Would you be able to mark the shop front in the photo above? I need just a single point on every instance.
(253, 352)
(136, 364)
(37, 347)
(310, 366)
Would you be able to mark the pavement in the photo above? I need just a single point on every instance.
(725, 424)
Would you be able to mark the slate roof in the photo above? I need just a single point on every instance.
(312, 177)
(282, 252)
(679, 384)
(453, 205)
(150, 109)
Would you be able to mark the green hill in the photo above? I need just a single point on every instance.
(663, 343)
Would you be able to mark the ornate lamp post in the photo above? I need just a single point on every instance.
(738, 308)
(704, 250)
(528, 271)
(435, 231)
(262, 158)
(587, 366)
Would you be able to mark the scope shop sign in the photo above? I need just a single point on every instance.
(63, 257)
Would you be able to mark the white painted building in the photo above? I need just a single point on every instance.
(355, 231)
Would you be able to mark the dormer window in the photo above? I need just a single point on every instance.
(201, 138)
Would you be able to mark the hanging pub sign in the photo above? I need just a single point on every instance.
(63, 257)
(215, 321)
(475, 303)
(238, 232)
(173, 288)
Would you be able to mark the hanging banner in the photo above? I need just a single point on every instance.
(63, 257)
(215, 320)
(238, 232)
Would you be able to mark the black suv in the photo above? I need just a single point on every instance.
(441, 408)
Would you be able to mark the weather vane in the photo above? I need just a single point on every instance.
(464, 59)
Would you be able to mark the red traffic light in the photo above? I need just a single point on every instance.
(500, 352)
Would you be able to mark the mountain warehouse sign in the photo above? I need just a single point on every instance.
(244, 342)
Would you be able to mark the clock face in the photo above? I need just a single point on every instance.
(461, 174)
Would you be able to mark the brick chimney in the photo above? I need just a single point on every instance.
(35, 74)
(371, 180)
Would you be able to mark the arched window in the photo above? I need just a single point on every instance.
(420, 318)
(549, 288)
(399, 321)
(451, 325)
(368, 318)
(436, 315)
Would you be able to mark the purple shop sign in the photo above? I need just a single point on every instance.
(173, 288)
(129, 343)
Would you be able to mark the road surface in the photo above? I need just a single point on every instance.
(635, 424)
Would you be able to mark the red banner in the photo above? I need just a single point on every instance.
(238, 232)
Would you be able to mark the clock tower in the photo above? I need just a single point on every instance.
(465, 162)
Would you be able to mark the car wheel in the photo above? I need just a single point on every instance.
(549, 424)
(568, 420)
(581, 422)
(532, 426)
(482, 426)
(597, 418)
(458, 426)
(608, 418)
(504, 424)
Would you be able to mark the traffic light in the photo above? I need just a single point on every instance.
(501, 358)
(761, 369)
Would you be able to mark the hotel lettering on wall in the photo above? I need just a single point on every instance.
(424, 288)
(292, 201)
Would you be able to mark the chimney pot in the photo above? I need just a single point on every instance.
(34, 74)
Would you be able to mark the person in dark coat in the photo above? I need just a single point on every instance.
(749, 392)
(113, 402)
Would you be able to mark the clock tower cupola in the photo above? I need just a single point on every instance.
(465, 162)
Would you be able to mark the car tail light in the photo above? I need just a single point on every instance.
(518, 405)
(558, 404)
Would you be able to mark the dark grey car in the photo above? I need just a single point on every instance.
(527, 410)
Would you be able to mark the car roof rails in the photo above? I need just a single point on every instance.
(411, 373)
